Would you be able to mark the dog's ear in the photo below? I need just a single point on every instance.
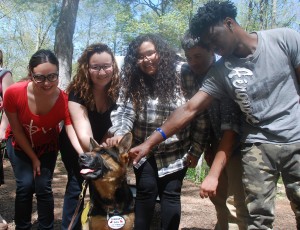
(94, 145)
(125, 143)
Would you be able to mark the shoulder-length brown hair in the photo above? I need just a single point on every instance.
(82, 84)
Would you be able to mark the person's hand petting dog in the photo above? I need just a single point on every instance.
(138, 152)
(112, 141)
(135, 154)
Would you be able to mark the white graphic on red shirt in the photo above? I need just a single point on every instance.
(34, 129)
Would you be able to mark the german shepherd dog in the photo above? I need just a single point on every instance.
(111, 200)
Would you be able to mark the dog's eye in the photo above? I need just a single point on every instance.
(102, 151)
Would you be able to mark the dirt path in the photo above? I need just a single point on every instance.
(197, 214)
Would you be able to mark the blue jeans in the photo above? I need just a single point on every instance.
(27, 185)
(149, 185)
(74, 185)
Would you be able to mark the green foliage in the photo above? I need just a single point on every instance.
(168, 18)
(28, 25)
(25, 27)
(197, 174)
(267, 14)
(280, 180)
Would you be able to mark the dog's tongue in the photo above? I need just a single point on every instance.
(86, 171)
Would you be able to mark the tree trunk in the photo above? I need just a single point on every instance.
(63, 46)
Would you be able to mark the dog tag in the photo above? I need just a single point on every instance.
(116, 222)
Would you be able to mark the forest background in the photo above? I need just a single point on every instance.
(68, 26)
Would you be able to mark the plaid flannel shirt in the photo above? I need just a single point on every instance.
(223, 115)
(169, 155)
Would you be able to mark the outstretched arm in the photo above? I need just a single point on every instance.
(73, 138)
(176, 121)
(81, 124)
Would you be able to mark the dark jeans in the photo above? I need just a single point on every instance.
(74, 185)
(27, 185)
(149, 185)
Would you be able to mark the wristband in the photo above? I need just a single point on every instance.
(162, 133)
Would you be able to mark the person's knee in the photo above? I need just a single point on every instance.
(172, 196)
(43, 183)
(147, 186)
(24, 187)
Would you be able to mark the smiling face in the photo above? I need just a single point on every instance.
(148, 58)
(45, 69)
(101, 68)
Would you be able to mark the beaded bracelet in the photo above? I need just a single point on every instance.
(162, 133)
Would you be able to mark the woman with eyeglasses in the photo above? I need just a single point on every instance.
(34, 108)
(150, 91)
(93, 92)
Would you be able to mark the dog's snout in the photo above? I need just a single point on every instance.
(82, 156)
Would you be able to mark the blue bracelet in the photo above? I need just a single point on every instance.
(162, 133)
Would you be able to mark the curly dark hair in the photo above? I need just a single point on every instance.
(138, 86)
(188, 41)
(211, 14)
(82, 84)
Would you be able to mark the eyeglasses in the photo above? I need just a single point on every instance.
(42, 78)
(149, 54)
(98, 68)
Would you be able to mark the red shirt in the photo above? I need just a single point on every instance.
(42, 131)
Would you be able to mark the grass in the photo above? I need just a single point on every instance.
(197, 174)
